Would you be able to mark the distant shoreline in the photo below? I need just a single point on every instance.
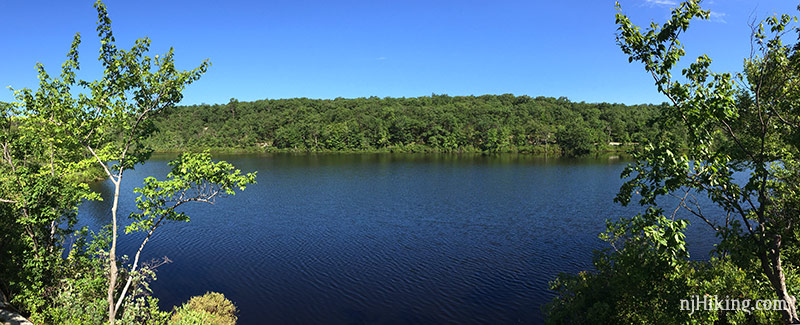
(531, 150)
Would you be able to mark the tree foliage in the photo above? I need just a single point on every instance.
(439, 123)
(50, 138)
(742, 155)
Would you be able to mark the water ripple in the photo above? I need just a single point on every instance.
(344, 240)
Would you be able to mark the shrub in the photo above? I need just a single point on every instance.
(210, 308)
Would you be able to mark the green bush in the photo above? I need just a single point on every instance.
(210, 308)
(644, 279)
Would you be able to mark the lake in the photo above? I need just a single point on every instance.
(385, 238)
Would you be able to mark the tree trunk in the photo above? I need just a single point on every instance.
(789, 314)
(774, 271)
(135, 264)
(112, 255)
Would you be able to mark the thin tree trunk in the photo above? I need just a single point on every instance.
(135, 264)
(112, 255)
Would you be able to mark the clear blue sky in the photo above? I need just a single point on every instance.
(398, 48)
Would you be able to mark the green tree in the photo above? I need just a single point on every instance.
(53, 135)
(39, 192)
(575, 139)
(116, 114)
(194, 178)
(746, 128)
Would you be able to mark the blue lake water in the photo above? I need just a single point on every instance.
(386, 239)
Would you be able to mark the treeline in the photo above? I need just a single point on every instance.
(439, 123)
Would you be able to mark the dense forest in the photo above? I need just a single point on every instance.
(439, 123)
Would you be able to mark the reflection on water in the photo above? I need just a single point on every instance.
(385, 238)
